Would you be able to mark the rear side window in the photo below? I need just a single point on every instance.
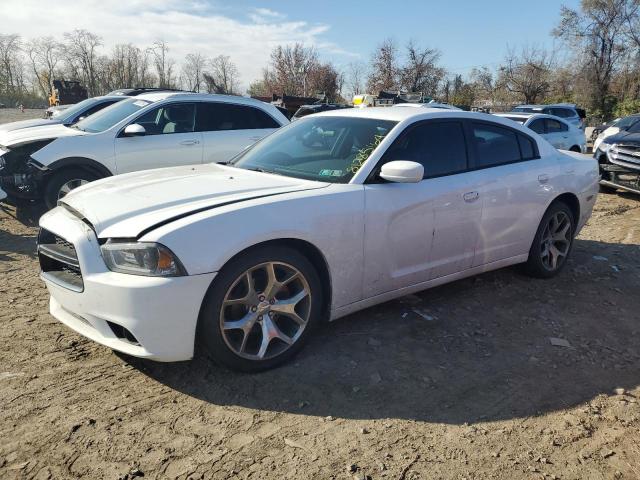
(495, 145)
(439, 146)
(213, 117)
(537, 126)
(562, 112)
(527, 148)
(554, 126)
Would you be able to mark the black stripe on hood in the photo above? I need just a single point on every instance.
(210, 207)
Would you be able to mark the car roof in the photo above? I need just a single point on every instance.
(399, 114)
(553, 105)
(202, 97)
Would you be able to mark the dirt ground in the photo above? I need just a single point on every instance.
(458, 382)
(13, 114)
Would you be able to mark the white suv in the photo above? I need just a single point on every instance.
(149, 131)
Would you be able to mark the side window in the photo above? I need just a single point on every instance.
(439, 146)
(554, 126)
(537, 126)
(172, 118)
(527, 147)
(262, 119)
(495, 145)
(217, 116)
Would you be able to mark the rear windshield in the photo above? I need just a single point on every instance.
(520, 120)
(107, 118)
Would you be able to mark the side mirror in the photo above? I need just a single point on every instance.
(81, 118)
(402, 171)
(134, 130)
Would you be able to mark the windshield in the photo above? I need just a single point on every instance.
(70, 113)
(520, 120)
(327, 149)
(107, 118)
(625, 122)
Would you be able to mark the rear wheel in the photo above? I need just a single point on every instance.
(260, 310)
(575, 148)
(552, 242)
(63, 182)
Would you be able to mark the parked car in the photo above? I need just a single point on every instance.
(617, 126)
(67, 117)
(562, 135)
(148, 131)
(305, 110)
(331, 214)
(567, 111)
(618, 156)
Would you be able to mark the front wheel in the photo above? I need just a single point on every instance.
(61, 183)
(552, 243)
(261, 309)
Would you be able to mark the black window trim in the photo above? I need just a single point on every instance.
(374, 175)
(474, 157)
(237, 105)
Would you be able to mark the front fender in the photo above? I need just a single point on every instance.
(330, 219)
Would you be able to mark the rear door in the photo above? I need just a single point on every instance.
(170, 140)
(557, 133)
(229, 128)
(511, 183)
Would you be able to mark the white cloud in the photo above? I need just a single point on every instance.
(191, 26)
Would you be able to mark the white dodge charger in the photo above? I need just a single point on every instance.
(329, 215)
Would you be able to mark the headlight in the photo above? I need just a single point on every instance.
(149, 259)
(604, 146)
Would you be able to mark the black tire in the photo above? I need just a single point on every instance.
(536, 266)
(575, 148)
(210, 339)
(61, 178)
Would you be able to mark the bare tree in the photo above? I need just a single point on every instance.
(128, 67)
(11, 68)
(81, 52)
(324, 78)
(421, 72)
(193, 70)
(163, 64)
(355, 78)
(527, 74)
(223, 76)
(289, 69)
(45, 53)
(597, 33)
(384, 70)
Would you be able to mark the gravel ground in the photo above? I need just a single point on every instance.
(14, 115)
(457, 382)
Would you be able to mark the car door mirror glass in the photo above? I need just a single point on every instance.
(134, 130)
(402, 171)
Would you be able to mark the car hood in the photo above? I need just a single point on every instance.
(126, 206)
(623, 136)
(25, 135)
(35, 122)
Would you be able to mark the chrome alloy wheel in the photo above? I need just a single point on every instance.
(265, 310)
(70, 185)
(556, 241)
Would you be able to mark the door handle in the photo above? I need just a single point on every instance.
(543, 178)
(471, 196)
(189, 142)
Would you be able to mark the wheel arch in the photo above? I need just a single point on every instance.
(80, 162)
(311, 253)
(571, 200)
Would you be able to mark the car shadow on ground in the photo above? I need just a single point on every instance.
(474, 350)
(23, 243)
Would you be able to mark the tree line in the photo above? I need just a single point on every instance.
(595, 63)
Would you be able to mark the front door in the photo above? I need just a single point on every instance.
(170, 140)
(419, 231)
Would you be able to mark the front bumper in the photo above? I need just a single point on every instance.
(160, 314)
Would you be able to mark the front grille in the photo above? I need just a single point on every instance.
(59, 261)
(625, 155)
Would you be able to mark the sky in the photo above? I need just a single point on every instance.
(468, 33)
